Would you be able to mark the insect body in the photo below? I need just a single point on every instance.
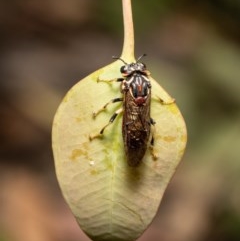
(136, 124)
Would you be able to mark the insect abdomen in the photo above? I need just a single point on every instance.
(136, 129)
(136, 145)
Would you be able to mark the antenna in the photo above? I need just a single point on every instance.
(141, 57)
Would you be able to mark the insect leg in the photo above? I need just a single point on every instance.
(105, 106)
(152, 122)
(111, 80)
(111, 119)
(110, 122)
(168, 102)
(154, 155)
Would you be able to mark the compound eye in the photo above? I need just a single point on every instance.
(123, 69)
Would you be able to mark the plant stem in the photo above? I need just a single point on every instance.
(128, 44)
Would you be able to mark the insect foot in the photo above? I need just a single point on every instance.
(95, 113)
(168, 102)
(153, 153)
(91, 137)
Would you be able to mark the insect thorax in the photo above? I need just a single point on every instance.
(139, 86)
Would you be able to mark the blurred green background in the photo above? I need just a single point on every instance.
(193, 51)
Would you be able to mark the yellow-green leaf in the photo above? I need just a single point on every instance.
(110, 200)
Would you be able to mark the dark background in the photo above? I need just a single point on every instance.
(193, 51)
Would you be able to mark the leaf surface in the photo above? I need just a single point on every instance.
(110, 200)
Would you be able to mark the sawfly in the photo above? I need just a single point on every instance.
(136, 99)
